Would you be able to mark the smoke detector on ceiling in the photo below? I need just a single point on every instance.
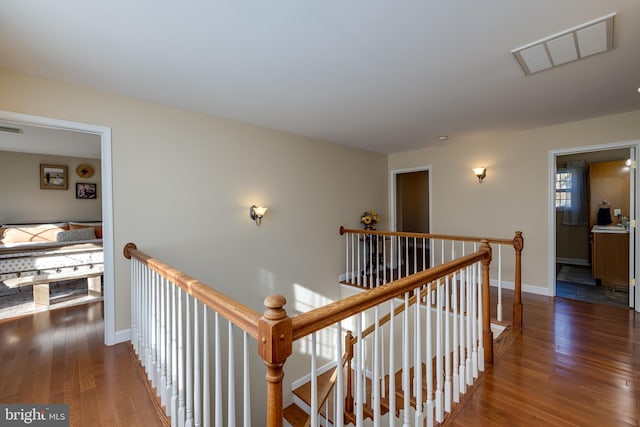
(570, 45)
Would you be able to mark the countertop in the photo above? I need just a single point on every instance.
(620, 229)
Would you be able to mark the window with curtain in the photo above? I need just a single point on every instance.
(573, 194)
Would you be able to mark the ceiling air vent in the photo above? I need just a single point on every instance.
(10, 129)
(567, 46)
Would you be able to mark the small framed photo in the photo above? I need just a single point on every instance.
(53, 177)
(85, 190)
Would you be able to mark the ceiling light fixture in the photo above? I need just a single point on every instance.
(570, 45)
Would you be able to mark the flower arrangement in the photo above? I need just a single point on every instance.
(369, 218)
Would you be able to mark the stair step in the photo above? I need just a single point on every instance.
(295, 415)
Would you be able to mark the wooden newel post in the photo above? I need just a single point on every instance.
(487, 335)
(518, 245)
(274, 346)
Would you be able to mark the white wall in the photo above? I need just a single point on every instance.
(515, 193)
(23, 201)
(183, 183)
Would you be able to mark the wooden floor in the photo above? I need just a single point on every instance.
(58, 356)
(575, 364)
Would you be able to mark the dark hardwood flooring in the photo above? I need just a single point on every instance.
(58, 356)
(574, 364)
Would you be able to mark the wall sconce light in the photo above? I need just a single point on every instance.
(256, 213)
(480, 172)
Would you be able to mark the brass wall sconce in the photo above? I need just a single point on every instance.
(256, 213)
(480, 172)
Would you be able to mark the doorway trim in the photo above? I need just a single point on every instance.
(110, 335)
(392, 192)
(633, 255)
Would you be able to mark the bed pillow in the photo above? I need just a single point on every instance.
(86, 233)
(97, 227)
(32, 233)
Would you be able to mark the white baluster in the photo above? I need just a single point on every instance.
(424, 253)
(392, 369)
(358, 372)
(384, 261)
(406, 386)
(346, 259)
(247, 383)
(231, 373)
(169, 344)
(197, 392)
(153, 361)
(439, 372)
(456, 344)
(480, 315)
(462, 375)
(189, 357)
(339, 388)
(417, 366)
(206, 382)
(314, 382)
(376, 370)
(429, 358)
(181, 355)
(406, 256)
(217, 372)
(447, 347)
(174, 358)
(474, 319)
(359, 266)
(415, 255)
(469, 329)
(164, 397)
(134, 303)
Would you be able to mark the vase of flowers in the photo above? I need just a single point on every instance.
(369, 219)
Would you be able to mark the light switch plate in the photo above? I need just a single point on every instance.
(616, 212)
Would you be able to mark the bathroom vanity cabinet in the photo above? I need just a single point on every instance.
(610, 257)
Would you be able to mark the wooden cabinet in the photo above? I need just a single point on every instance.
(610, 258)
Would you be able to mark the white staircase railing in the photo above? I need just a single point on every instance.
(441, 346)
(183, 334)
(188, 337)
(373, 258)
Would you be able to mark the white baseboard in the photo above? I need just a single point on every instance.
(530, 289)
(572, 261)
(122, 336)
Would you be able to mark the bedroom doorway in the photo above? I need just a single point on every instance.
(594, 257)
(411, 200)
(104, 133)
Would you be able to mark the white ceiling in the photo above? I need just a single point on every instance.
(377, 74)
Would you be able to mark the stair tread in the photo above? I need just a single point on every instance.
(304, 391)
(295, 415)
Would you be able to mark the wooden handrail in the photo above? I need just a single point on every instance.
(242, 316)
(322, 317)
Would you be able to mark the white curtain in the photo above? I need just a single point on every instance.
(579, 212)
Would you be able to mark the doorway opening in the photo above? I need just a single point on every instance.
(104, 133)
(593, 203)
(411, 200)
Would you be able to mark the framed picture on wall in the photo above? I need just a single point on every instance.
(85, 190)
(53, 177)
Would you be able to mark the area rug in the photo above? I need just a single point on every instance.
(576, 274)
